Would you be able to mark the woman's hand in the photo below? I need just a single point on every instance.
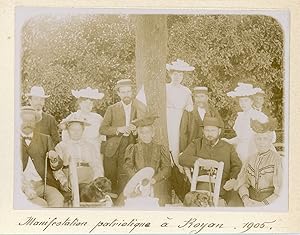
(30, 193)
(152, 181)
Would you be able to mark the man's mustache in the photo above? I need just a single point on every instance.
(28, 126)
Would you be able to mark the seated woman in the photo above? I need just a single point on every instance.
(260, 178)
(77, 154)
(146, 153)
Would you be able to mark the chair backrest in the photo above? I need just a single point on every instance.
(215, 181)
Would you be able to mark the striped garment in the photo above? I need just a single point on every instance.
(260, 177)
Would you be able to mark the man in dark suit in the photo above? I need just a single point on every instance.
(34, 149)
(48, 124)
(117, 127)
(210, 146)
(259, 101)
(191, 126)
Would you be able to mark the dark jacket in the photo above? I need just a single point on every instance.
(222, 151)
(140, 155)
(39, 146)
(191, 126)
(115, 117)
(48, 126)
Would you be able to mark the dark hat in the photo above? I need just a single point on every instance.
(259, 127)
(145, 121)
(123, 82)
(212, 121)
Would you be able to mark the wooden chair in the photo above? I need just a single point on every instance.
(214, 180)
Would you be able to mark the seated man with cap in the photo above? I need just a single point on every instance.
(191, 125)
(147, 153)
(210, 146)
(47, 125)
(36, 147)
(260, 179)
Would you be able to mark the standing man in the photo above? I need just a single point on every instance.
(259, 101)
(210, 146)
(34, 149)
(120, 133)
(48, 124)
(191, 126)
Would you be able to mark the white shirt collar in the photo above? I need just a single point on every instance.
(30, 135)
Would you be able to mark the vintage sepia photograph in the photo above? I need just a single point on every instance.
(151, 109)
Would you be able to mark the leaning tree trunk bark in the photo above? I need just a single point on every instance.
(151, 56)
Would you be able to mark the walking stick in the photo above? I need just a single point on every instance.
(45, 176)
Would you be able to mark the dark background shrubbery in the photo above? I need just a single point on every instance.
(73, 52)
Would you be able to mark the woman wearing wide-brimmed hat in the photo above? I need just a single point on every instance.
(244, 139)
(81, 162)
(179, 98)
(85, 100)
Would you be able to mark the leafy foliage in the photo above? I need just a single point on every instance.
(73, 52)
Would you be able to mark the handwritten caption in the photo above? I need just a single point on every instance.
(132, 225)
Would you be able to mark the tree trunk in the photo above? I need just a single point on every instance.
(151, 56)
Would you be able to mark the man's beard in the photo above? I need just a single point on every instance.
(27, 129)
(211, 142)
(127, 100)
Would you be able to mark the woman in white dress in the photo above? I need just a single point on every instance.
(179, 98)
(244, 140)
(91, 134)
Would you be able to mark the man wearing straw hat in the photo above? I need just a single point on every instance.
(120, 132)
(259, 101)
(212, 147)
(38, 180)
(191, 125)
(48, 124)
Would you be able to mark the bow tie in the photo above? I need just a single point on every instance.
(27, 138)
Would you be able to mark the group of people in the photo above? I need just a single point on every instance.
(121, 143)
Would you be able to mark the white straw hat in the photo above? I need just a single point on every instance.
(243, 89)
(88, 93)
(145, 173)
(179, 65)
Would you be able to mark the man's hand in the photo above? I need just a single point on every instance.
(53, 156)
(229, 185)
(122, 129)
(189, 108)
(132, 127)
